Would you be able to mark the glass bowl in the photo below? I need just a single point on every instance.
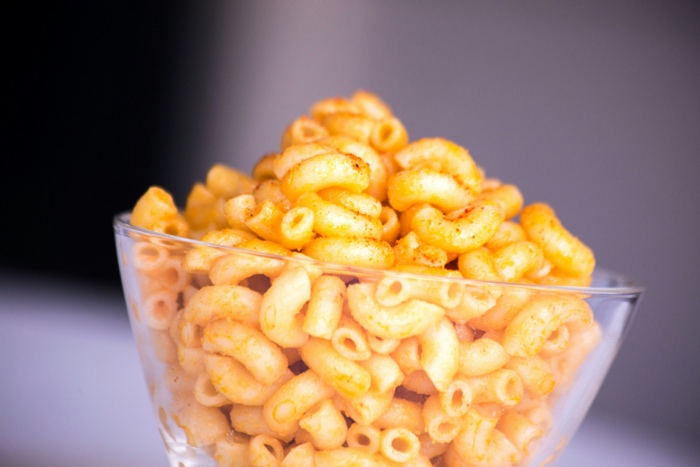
(252, 358)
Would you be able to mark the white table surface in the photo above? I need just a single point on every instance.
(72, 392)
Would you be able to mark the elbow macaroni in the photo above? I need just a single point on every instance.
(282, 357)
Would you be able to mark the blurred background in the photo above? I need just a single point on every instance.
(592, 106)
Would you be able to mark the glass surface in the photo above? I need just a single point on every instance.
(517, 366)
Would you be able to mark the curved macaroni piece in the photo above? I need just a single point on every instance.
(271, 190)
(238, 210)
(292, 155)
(225, 182)
(371, 105)
(325, 306)
(440, 353)
(378, 171)
(481, 357)
(202, 425)
(508, 197)
(476, 301)
(501, 386)
(411, 250)
(262, 170)
(324, 171)
(368, 407)
(534, 372)
(302, 130)
(296, 228)
(567, 252)
(441, 427)
(252, 348)
(360, 203)
(159, 308)
(402, 413)
(472, 442)
(399, 445)
(203, 209)
(444, 156)
(520, 430)
(233, 269)
(508, 232)
(385, 372)
(502, 313)
(356, 126)
(280, 317)
(345, 376)
(291, 229)
(154, 210)
(388, 135)
(234, 381)
(394, 290)
(407, 319)
(479, 443)
(565, 364)
(499, 451)
(349, 340)
(221, 302)
(362, 252)
(515, 260)
(456, 399)
(170, 276)
(249, 420)
(443, 191)
(191, 360)
(479, 264)
(200, 259)
(148, 256)
(390, 225)
(528, 332)
(206, 394)
(363, 437)
(557, 342)
(333, 105)
(283, 410)
(474, 227)
(184, 332)
(332, 220)
(326, 425)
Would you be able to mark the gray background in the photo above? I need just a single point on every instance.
(591, 106)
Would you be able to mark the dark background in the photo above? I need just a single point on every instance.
(91, 104)
(593, 106)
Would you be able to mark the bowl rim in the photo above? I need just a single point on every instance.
(121, 224)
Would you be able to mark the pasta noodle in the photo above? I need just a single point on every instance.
(361, 300)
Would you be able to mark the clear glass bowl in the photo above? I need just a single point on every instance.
(473, 373)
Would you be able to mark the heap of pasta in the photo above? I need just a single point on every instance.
(273, 359)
